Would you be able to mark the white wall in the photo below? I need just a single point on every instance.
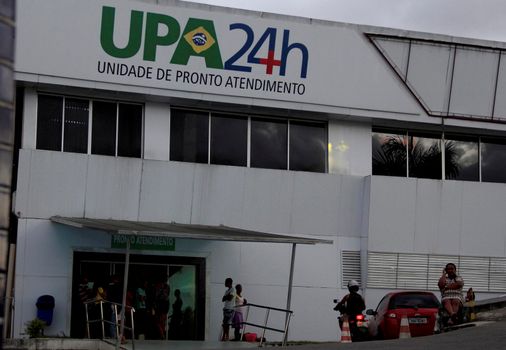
(44, 266)
(156, 131)
(348, 77)
(405, 215)
(298, 203)
(437, 217)
(67, 184)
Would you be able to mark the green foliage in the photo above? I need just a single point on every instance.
(35, 328)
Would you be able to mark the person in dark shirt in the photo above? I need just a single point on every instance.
(114, 295)
(351, 304)
(161, 306)
(176, 318)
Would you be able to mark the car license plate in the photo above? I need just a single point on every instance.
(418, 320)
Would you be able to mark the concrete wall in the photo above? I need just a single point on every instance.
(317, 205)
(67, 184)
(437, 217)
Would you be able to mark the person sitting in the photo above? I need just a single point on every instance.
(450, 284)
(351, 304)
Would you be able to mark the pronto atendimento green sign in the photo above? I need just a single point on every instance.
(143, 242)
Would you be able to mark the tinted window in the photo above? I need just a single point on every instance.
(462, 159)
(129, 130)
(401, 301)
(389, 151)
(269, 143)
(308, 146)
(49, 122)
(425, 159)
(75, 134)
(229, 140)
(383, 304)
(104, 128)
(189, 136)
(493, 153)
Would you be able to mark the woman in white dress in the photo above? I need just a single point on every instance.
(237, 322)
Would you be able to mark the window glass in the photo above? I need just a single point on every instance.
(425, 156)
(383, 304)
(308, 146)
(189, 136)
(104, 128)
(493, 158)
(229, 138)
(49, 122)
(389, 151)
(75, 133)
(269, 143)
(461, 159)
(414, 300)
(129, 130)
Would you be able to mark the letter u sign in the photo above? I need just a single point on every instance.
(151, 37)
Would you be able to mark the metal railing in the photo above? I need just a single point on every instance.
(265, 325)
(97, 312)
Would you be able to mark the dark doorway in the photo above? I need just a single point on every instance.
(186, 274)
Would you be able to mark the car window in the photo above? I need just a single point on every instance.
(382, 306)
(413, 300)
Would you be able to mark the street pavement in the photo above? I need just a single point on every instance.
(491, 335)
(489, 332)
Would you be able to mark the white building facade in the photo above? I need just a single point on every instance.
(388, 143)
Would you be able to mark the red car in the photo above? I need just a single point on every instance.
(420, 308)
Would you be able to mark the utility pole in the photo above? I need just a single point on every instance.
(7, 9)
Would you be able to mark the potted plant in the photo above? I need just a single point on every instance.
(35, 328)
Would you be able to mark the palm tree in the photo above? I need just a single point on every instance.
(424, 162)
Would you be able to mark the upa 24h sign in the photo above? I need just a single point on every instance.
(148, 32)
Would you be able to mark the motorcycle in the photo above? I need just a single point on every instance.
(359, 325)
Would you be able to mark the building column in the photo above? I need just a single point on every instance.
(6, 141)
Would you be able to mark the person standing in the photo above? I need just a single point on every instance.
(238, 318)
(114, 295)
(176, 319)
(228, 308)
(162, 294)
(450, 284)
(85, 294)
(141, 312)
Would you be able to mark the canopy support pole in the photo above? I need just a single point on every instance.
(123, 301)
(290, 286)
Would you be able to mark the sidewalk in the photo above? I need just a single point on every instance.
(492, 315)
(491, 310)
(96, 344)
(188, 345)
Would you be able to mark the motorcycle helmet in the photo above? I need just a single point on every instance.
(353, 286)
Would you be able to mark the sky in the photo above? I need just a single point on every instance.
(479, 19)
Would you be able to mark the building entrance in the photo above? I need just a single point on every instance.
(167, 292)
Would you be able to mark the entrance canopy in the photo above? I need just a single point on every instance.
(187, 231)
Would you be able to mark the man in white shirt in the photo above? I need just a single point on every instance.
(228, 308)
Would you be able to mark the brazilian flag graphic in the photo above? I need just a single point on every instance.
(199, 40)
